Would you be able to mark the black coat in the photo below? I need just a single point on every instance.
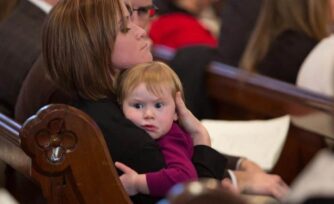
(134, 147)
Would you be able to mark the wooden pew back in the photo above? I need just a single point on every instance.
(10, 150)
(265, 97)
(237, 94)
(64, 152)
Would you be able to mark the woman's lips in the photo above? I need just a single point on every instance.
(145, 46)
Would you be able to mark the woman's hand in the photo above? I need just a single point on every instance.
(227, 185)
(248, 165)
(191, 124)
(261, 183)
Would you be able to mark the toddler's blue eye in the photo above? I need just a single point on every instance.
(138, 105)
(158, 105)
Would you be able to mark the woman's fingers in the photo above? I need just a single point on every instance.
(180, 105)
(278, 188)
(261, 183)
(191, 124)
(228, 186)
(281, 190)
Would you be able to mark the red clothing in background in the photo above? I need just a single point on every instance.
(177, 30)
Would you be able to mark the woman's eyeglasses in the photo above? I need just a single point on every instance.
(144, 10)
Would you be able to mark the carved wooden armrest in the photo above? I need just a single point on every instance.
(70, 159)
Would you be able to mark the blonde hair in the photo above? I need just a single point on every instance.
(307, 16)
(155, 75)
(78, 40)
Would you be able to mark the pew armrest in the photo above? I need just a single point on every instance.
(66, 154)
(240, 95)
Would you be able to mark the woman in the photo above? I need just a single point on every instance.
(83, 46)
(86, 43)
(29, 101)
(286, 31)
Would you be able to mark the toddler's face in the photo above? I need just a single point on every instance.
(154, 114)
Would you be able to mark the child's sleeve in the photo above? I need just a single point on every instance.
(177, 149)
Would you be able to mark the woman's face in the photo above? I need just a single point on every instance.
(131, 47)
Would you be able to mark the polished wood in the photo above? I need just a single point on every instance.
(239, 95)
(236, 94)
(64, 152)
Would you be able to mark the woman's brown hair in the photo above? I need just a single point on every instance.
(78, 38)
(306, 16)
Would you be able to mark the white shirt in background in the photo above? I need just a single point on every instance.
(44, 6)
(317, 71)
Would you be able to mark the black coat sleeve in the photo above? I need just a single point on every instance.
(208, 162)
(135, 148)
(127, 143)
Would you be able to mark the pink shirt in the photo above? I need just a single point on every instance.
(177, 148)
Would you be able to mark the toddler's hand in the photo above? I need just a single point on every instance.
(128, 179)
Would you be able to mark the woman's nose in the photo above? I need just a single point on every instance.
(140, 32)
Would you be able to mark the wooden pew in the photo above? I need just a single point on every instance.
(236, 94)
(240, 95)
(63, 151)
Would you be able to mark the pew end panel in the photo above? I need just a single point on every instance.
(68, 157)
(240, 95)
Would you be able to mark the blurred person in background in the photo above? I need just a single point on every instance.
(238, 19)
(20, 45)
(285, 33)
(319, 64)
(177, 25)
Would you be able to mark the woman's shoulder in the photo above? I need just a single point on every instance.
(108, 115)
(99, 109)
(120, 133)
(105, 112)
